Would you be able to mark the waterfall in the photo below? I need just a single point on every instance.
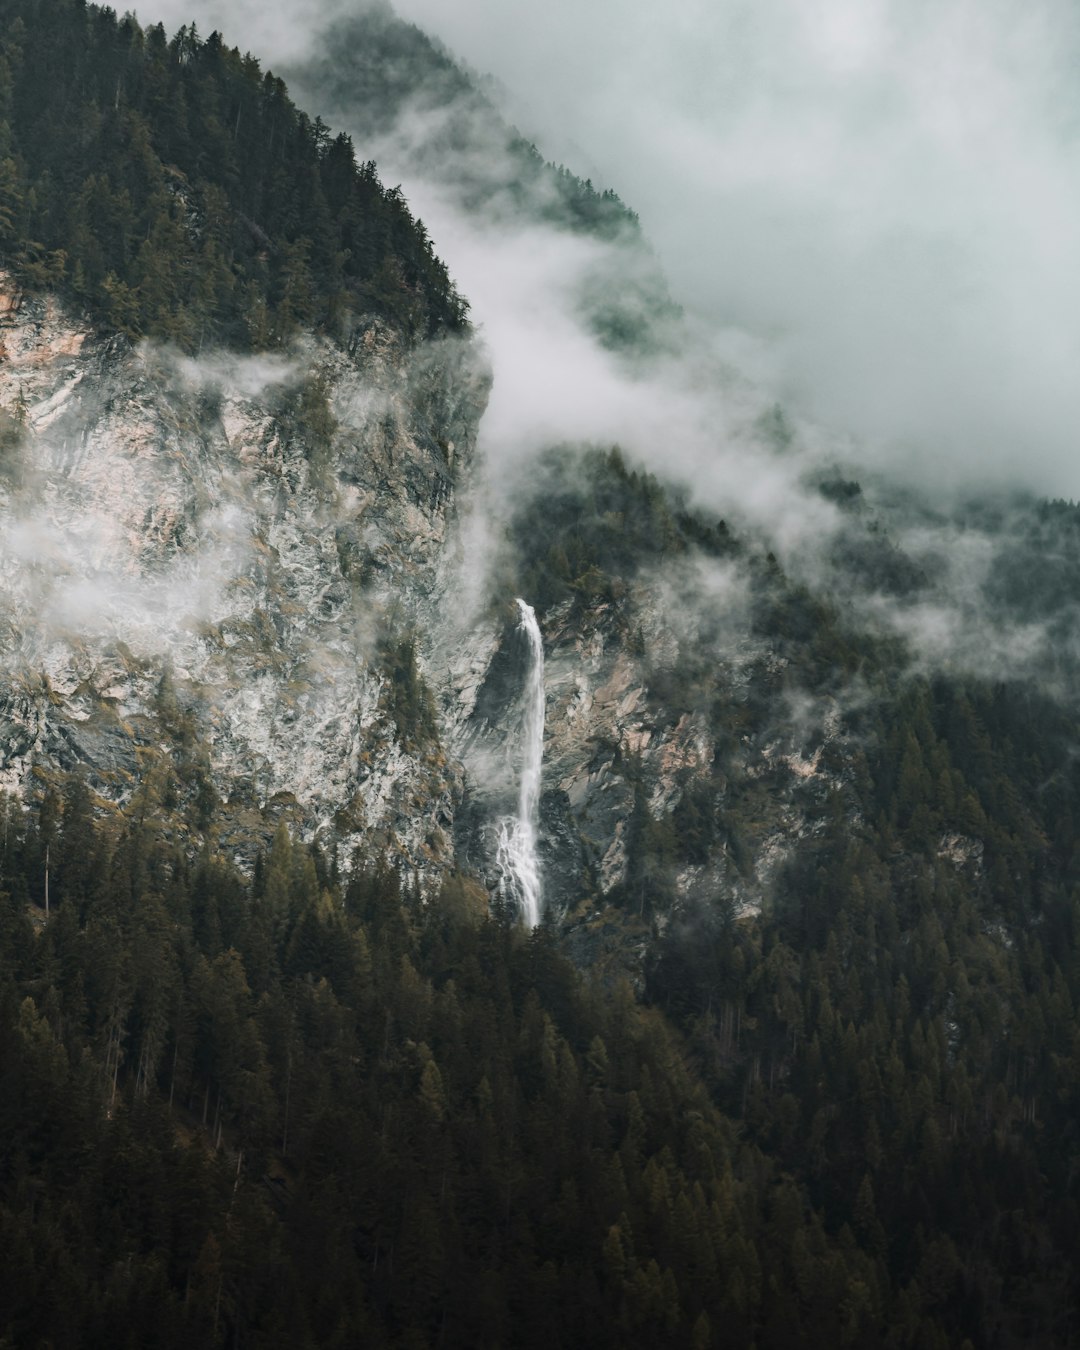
(519, 867)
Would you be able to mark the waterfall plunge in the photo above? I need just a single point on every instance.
(519, 867)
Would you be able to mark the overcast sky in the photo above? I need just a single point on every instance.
(885, 192)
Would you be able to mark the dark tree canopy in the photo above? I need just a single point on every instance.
(172, 188)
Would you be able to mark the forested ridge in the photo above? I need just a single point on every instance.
(897, 1029)
(384, 77)
(171, 187)
(377, 62)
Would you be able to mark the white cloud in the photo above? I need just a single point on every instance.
(886, 191)
(869, 210)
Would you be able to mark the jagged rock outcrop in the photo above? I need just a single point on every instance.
(209, 567)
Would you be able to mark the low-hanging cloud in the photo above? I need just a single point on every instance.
(884, 192)
(867, 211)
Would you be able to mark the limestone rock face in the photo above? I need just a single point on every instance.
(231, 589)
(205, 566)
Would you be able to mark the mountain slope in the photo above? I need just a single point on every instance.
(175, 190)
(395, 88)
(278, 1064)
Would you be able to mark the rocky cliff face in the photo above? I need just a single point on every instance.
(209, 571)
(230, 587)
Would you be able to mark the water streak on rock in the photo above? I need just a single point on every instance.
(519, 865)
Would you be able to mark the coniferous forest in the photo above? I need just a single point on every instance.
(302, 1107)
(171, 187)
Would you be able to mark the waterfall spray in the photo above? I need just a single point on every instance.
(519, 867)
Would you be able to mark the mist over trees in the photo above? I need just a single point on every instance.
(441, 124)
